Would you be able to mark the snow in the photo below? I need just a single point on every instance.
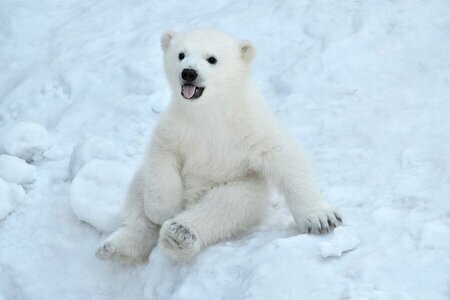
(92, 148)
(342, 241)
(16, 170)
(11, 195)
(27, 140)
(363, 85)
(98, 191)
(5, 199)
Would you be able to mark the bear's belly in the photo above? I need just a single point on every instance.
(206, 168)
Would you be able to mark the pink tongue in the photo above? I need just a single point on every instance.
(188, 90)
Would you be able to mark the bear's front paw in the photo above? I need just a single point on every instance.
(178, 241)
(319, 220)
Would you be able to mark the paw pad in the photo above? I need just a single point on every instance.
(180, 235)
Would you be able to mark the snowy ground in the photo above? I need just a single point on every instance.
(363, 85)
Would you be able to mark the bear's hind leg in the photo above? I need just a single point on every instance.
(129, 244)
(224, 211)
(137, 236)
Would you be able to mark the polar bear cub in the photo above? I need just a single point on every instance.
(212, 157)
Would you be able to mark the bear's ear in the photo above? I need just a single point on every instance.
(247, 51)
(166, 38)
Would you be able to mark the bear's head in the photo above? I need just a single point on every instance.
(205, 64)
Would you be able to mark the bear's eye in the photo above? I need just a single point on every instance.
(212, 60)
(181, 56)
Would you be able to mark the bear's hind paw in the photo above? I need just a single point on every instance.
(178, 241)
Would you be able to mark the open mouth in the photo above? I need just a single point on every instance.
(191, 92)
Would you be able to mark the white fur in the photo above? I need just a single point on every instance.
(206, 174)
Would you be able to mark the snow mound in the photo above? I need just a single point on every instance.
(10, 195)
(98, 192)
(93, 148)
(27, 140)
(342, 241)
(16, 170)
(9, 287)
(54, 153)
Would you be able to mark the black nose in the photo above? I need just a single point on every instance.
(189, 74)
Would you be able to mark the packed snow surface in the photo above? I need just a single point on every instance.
(11, 195)
(92, 148)
(6, 206)
(341, 242)
(363, 85)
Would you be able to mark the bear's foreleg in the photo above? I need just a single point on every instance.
(163, 186)
(289, 170)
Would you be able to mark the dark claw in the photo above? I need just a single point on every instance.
(338, 218)
(322, 228)
(330, 223)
